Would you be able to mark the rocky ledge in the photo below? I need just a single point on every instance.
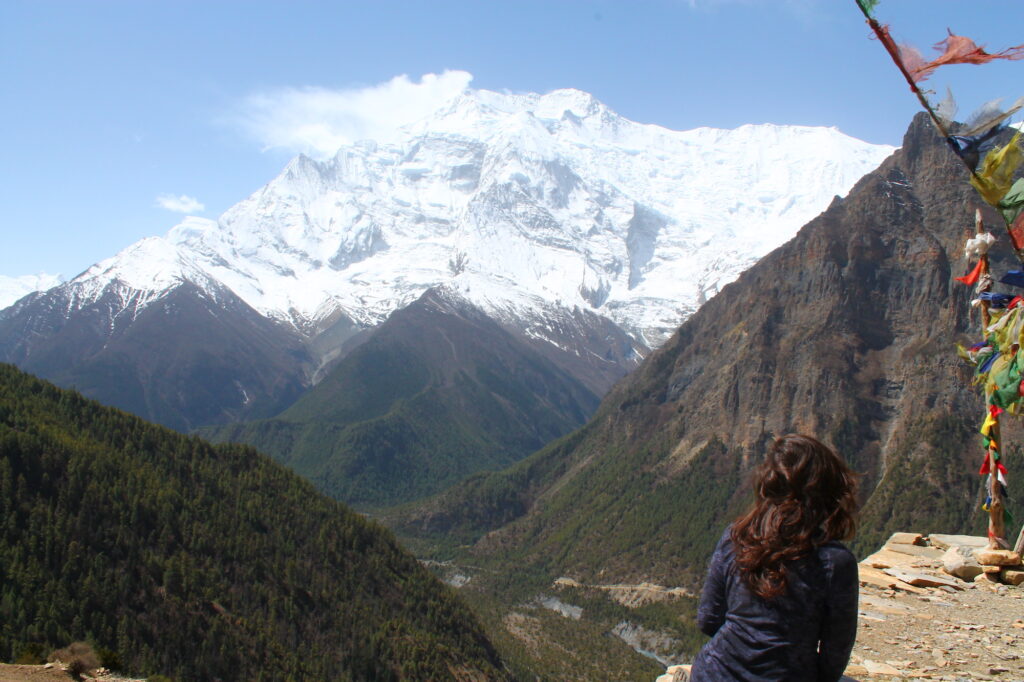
(940, 607)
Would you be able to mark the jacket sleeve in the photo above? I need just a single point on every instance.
(713, 598)
(839, 630)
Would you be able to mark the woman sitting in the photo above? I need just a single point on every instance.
(780, 599)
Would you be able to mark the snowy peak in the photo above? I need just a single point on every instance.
(153, 265)
(14, 288)
(519, 203)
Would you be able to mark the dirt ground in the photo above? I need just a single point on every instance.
(974, 634)
(35, 673)
(42, 673)
(960, 631)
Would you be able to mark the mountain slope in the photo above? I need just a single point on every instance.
(438, 392)
(188, 354)
(202, 562)
(184, 361)
(846, 332)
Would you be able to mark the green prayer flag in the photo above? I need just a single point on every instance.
(1012, 204)
(867, 6)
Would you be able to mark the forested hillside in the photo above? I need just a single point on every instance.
(202, 562)
(439, 392)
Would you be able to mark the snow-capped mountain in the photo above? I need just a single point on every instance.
(13, 288)
(517, 202)
(587, 235)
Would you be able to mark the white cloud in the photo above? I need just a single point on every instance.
(317, 121)
(182, 204)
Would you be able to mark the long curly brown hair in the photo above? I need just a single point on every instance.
(805, 496)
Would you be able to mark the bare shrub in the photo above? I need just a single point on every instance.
(78, 658)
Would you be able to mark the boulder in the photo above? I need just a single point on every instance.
(1012, 576)
(959, 561)
(997, 557)
(989, 580)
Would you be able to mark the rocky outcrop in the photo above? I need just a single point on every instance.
(960, 562)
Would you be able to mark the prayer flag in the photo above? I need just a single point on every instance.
(985, 468)
(1012, 205)
(970, 147)
(956, 50)
(995, 177)
(1014, 278)
(971, 277)
(989, 115)
(867, 6)
(1017, 232)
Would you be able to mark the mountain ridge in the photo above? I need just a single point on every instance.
(285, 250)
(588, 234)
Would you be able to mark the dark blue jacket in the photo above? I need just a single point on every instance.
(805, 634)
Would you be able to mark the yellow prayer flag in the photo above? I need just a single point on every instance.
(990, 421)
(994, 178)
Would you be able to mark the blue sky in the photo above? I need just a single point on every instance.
(119, 116)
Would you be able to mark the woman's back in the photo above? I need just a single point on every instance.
(778, 639)
(780, 599)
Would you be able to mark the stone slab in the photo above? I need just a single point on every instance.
(906, 538)
(891, 607)
(886, 558)
(920, 579)
(943, 541)
(873, 576)
(879, 668)
(915, 550)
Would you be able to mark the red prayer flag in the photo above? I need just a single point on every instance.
(1017, 232)
(1000, 467)
(955, 50)
(971, 278)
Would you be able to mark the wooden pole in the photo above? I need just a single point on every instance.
(996, 522)
(979, 228)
